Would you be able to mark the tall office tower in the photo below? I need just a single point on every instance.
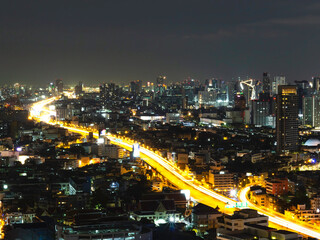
(277, 81)
(160, 80)
(231, 91)
(308, 104)
(133, 87)
(210, 84)
(51, 87)
(207, 98)
(78, 88)
(139, 85)
(136, 86)
(160, 87)
(59, 85)
(311, 110)
(266, 83)
(287, 119)
(104, 93)
(239, 101)
(261, 110)
(316, 83)
(107, 91)
(304, 90)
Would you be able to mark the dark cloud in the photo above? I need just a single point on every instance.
(102, 40)
(301, 21)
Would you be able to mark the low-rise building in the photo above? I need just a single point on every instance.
(283, 235)
(315, 203)
(204, 217)
(113, 151)
(105, 228)
(221, 181)
(279, 186)
(303, 214)
(260, 199)
(157, 211)
(240, 218)
(67, 187)
(19, 218)
(182, 158)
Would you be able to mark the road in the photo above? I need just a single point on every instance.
(1, 222)
(1, 226)
(278, 218)
(174, 175)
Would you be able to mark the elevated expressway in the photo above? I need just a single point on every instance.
(174, 175)
(278, 218)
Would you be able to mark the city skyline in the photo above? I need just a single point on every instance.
(159, 120)
(117, 42)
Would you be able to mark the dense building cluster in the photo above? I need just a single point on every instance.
(58, 183)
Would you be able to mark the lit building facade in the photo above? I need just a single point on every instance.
(287, 119)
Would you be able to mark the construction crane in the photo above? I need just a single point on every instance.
(251, 85)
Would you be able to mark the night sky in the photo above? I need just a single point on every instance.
(120, 41)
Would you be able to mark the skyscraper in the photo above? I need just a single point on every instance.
(287, 119)
(261, 110)
(160, 80)
(104, 93)
(136, 86)
(311, 110)
(160, 87)
(266, 83)
(277, 81)
(59, 85)
(316, 83)
(78, 89)
(304, 90)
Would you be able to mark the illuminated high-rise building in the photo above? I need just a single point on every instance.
(311, 110)
(160, 80)
(136, 86)
(239, 101)
(261, 109)
(304, 90)
(316, 83)
(287, 119)
(160, 86)
(266, 83)
(59, 85)
(78, 89)
(104, 92)
(277, 81)
(51, 87)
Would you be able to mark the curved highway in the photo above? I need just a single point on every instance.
(279, 218)
(175, 175)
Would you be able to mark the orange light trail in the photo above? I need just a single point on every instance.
(175, 176)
